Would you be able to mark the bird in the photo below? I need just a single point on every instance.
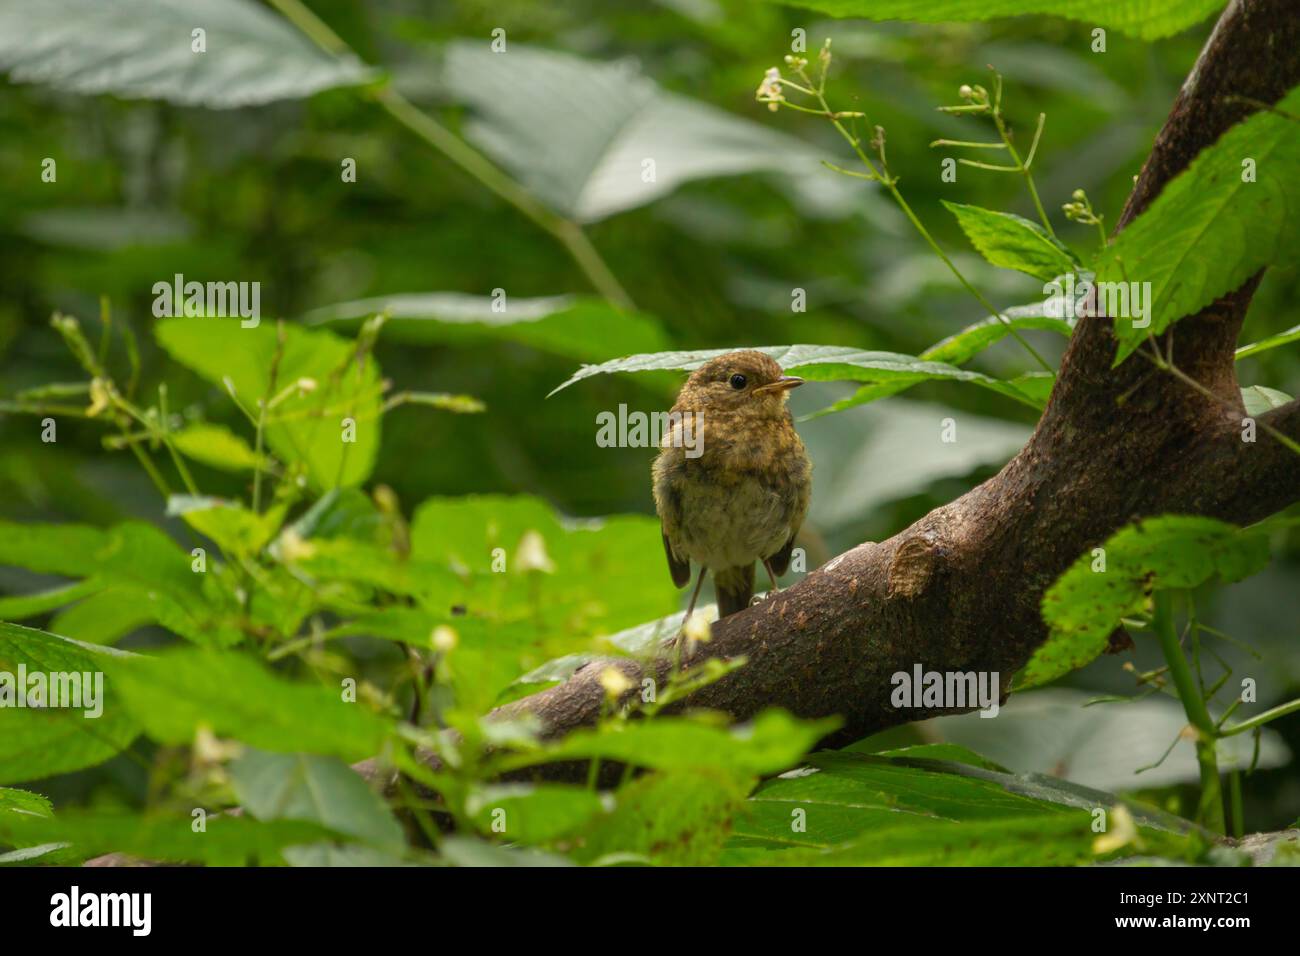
(732, 481)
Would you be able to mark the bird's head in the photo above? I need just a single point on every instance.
(745, 382)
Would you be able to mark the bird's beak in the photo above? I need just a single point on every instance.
(782, 384)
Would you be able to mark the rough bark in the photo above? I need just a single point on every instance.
(960, 589)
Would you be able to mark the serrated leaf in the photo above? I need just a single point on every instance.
(824, 363)
(1144, 19)
(145, 49)
(174, 693)
(1012, 242)
(532, 813)
(1209, 230)
(1173, 551)
(307, 426)
(42, 742)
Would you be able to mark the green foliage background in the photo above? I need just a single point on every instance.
(150, 188)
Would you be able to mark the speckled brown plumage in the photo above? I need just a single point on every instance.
(745, 496)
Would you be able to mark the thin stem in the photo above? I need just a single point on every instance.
(1023, 167)
(891, 184)
(569, 233)
(1259, 720)
(1210, 812)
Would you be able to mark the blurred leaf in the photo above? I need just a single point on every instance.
(1210, 230)
(1144, 19)
(680, 818)
(1271, 342)
(1084, 606)
(42, 742)
(307, 426)
(317, 789)
(143, 48)
(18, 607)
(177, 691)
(1012, 242)
(104, 617)
(225, 841)
(228, 523)
(772, 741)
(1055, 738)
(884, 810)
(532, 813)
(573, 327)
(578, 133)
(215, 446)
(68, 549)
(849, 484)
(1259, 399)
(103, 229)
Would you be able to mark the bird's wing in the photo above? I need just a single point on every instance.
(679, 569)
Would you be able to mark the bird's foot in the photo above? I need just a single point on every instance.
(760, 598)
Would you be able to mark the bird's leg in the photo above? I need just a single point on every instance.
(690, 609)
(771, 576)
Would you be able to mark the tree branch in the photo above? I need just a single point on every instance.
(960, 589)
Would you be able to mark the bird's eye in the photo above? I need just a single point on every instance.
(738, 381)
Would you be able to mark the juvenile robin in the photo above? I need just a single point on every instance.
(736, 489)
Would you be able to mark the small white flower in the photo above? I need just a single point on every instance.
(444, 638)
(769, 91)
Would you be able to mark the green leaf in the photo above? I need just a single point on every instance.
(18, 607)
(177, 691)
(532, 813)
(137, 558)
(317, 789)
(36, 743)
(306, 427)
(228, 523)
(824, 363)
(215, 446)
(1209, 231)
(1084, 606)
(887, 810)
(1144, 19)
(68, 549)
(1271, 342)
(960, 348)
(224, 841)
(610, 119)
(143, 49)
(1259, 399)
(667, 819)
(771, 742)
(569, 326)
(1010, 242)
(104, 617)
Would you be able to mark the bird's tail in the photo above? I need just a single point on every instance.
(734, 587)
